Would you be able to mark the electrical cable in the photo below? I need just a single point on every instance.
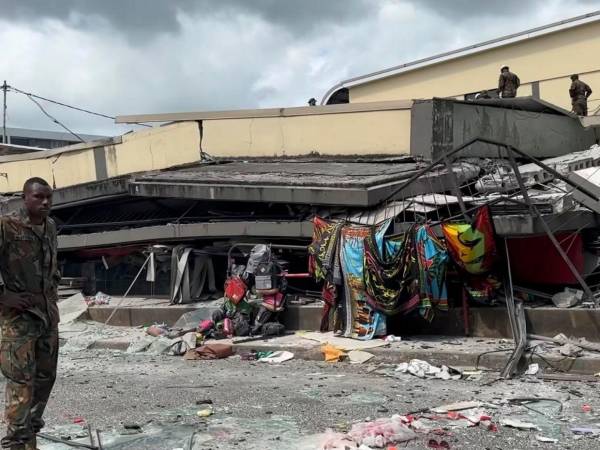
(39, 97)
(548, 363)
(29, 94)
(53, 119)
(481, 355)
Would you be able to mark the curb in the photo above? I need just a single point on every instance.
(494, 361)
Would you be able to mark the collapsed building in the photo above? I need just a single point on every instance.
(444, 209)
(154, 193)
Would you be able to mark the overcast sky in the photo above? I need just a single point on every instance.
(151, 56)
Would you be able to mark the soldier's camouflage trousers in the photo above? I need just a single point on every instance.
(580, 107)
(28, 358)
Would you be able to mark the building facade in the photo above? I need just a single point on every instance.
(544, 58)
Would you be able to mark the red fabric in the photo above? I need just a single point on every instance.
(273, 302)
(235, 289)
(536, 260)
(329, 296)
(113, 252)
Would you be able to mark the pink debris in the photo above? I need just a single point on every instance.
(381, 432)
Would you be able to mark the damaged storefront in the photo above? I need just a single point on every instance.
(437, 242)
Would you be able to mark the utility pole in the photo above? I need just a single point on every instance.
(4, 89)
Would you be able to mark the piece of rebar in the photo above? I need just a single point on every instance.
(455, 188)
(513, 362)
(192, 439)
(89, 428)
(99, 440)
(510, 301)
(118, 305)
(517, 320)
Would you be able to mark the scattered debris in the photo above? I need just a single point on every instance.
(435, 444)
(568, 298)
(99, 299)
(460, 406)
(210, 351)
(586, 430)
(586, 408)
(359, 356)
(519, 424)
(546, 439)
(72, 309)
(343, 343)
(206, 412)
(423, 369)
(533, 369)
(570, 350)
(332, 353)
(381, 432)
(561, 339)
(472, 375)
(277, 357)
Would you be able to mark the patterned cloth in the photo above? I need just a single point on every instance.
(28, 264)
(323, 251)
(29, 344)
(381, 276)
(391, 277)
(472, 246)
(329, 294)
(433, 260)
(362, 321)
(411, 275)
(324, 265)
(28, 359)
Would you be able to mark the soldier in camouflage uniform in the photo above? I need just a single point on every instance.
(28, 314)
(579, 92)
(508, 83)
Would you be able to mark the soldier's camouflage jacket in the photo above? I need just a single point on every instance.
(28, 263)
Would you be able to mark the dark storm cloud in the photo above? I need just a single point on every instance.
(145, 56)
(469, 9)
(147, 17)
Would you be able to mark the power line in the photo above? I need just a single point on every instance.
(56, 102)
(56, 121)
(29, 94)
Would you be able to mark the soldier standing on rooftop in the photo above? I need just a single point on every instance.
(508, 83)
(28, 314)
(579, 92)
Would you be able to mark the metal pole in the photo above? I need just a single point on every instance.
(4, 88)
(539, 163)
(535, 212)
(455, 187)
(470, 142)
(516, 314)
(509, 293)
(127, 292)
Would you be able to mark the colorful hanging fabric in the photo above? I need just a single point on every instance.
(329, 296)
(432, 260)
(323, 250)
(324, 264)
(472, 246)
(362, 320)
(391, 275)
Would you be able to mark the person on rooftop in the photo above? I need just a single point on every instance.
(579, 92)
(508, 83)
